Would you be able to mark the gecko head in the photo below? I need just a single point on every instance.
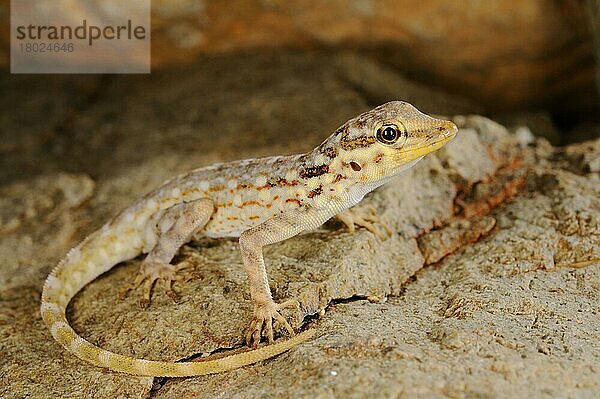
(386, 140)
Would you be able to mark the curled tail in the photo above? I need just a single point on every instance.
(96, 255)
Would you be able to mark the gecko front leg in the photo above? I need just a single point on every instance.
(364, 217)
(184, 219)
(275, 229)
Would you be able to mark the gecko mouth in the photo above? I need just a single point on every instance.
(442, 135)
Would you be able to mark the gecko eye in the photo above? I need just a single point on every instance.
(388, 134)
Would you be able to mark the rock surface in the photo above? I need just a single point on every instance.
(508, 227)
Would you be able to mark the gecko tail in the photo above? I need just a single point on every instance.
(97, 254)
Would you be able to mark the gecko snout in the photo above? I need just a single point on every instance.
(443, 134)
(451, 128)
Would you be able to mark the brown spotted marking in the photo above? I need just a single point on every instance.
(338, 178)
(267, 185)
(314, 171)
(246, 203)
(292, 200)
(284, 182)
(357, 142)
(342, 130)
(316, 191)
(190, 191)
(330, 152)
(378, 157)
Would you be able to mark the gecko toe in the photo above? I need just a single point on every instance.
(152, 272)
(171, 293)
(144, 303)
(284, 323)
(262, 322)
(269, 330)
(254, 332)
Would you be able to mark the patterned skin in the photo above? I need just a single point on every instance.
(261, 201)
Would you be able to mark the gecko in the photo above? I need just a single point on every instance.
(259, 201)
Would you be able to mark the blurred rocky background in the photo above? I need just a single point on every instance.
(526, 60)
(489, 285)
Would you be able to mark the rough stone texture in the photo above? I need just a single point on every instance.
(512, 314)
(507, 53)
(41, 218)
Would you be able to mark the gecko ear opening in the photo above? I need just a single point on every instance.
(355, 167)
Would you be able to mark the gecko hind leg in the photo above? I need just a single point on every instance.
(186, 219)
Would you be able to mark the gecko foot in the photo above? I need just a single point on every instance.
(365, 217)
(262, 323)
(152, 271)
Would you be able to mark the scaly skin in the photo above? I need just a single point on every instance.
(261, 201)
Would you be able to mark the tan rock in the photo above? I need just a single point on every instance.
(512, 313)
